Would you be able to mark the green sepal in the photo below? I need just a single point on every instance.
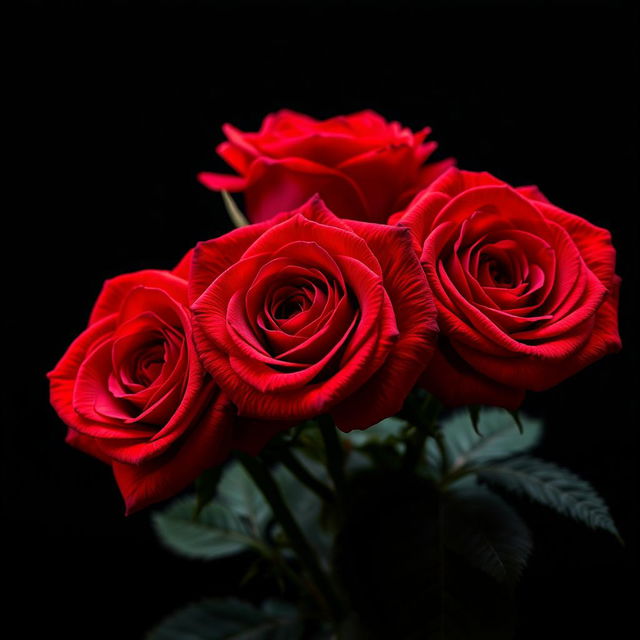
(516, 418)
(500, 438)
(474, 414)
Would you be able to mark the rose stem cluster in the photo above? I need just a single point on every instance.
(267, 485)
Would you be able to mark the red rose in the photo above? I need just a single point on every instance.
(309, 314)
(134, 393)
(526, 292)
(363, 166)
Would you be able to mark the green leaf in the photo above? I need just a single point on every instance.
(306, 506)
(389, 429)
(230, 619)
(206, 485)
(381, 445)
(487, 532)
(552, 486)
(233, 211)
(237, 491)
(500, 437)
(218, 532)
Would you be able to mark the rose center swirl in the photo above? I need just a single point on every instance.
(305, 320)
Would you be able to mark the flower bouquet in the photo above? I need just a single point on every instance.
(340, 379)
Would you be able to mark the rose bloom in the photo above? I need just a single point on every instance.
(134, 393)
(308, 314)
(364, 167)
(526, 293)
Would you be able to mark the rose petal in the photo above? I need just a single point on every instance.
(420, 215)
(183, 268)
(338, 242)
(415, 315)
(206, 444)
(456, 384)
(282, 185)
(222, 181)
(531, 192)
(213, 257)
(115, 290)
(233, 155)
(593, 243)
(382, 174)
(90, 446)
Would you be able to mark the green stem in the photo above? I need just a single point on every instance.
(292, 463)
(335, 453)
(267, 485)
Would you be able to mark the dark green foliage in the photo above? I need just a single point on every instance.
(553, 486)
(426, 556)
(217, 532)
(500, 438)
(307, 507)
(388, 431)
(235, 521)
(238, 492)
(487, 532)
(230, 619)
(403, 580)
(380, 445)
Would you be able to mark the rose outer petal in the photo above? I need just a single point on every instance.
(206, 444)
(457, 384)
(415, 313)
(116, 289)
(281, 185)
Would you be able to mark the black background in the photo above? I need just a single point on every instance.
(119, 104)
